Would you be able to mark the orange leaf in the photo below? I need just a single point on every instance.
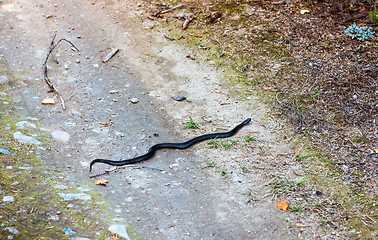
(272, 89)
(361, 10)
(101, 182)
(283, 205)
(362, 24)
(376, 150)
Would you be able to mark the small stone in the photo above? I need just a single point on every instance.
(113, 91)
(77, 60)
(62, 187)
(22, 138)
(179, 98)
(73, 196)
(68, 231)
(12, 230)
(4, 151)
(120, 230)
(4, 80)
(24, 124)
(134, 100)
(48, 101)
(25, 168)
(65, 66)
(8, 199)
(119, 134)
(61, 136)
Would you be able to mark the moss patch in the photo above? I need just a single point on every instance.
(30, 204)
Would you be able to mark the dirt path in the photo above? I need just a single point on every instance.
(173, 197)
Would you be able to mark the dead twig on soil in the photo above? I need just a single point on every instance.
(167, 10)
(296, 25)
(45, 76)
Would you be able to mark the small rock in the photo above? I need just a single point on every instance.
(4, 80)
(73, 196)
(24, 124)
(120, 230)
(22, 138)
(4, 151)
(83, 189)
(8, 199)
(68, 231)
(68, 123)
(48, 101)
(113, 91)
(77, 60)
(12, 230)
(65, 66)
(25, 168)
(179, 98)
(119, 134)
(61, 136)
(62, 187)
(134, 100)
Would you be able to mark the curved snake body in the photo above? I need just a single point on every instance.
(151, 152)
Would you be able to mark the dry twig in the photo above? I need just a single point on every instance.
(47, 80)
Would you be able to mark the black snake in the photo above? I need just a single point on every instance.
(184, 145)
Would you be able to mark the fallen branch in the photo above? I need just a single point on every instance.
(188, 19)
(47, 80)
(172, 8)
(296, 25)
(167, 10)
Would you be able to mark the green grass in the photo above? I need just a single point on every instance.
(374, 15)
(298, 208)
(209, 165)
(250, 138)
(212, 143)
(191, 123)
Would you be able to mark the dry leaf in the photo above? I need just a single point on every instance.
(48, 101)
(101, 182)
(376, 150)
(283, 205)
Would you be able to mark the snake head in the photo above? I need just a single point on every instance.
(246, 121)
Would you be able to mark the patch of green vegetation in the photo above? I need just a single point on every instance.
(298, 208)
(212, 143)
(374, 15)
(191, 123)
(250, 138)
(228, 143)
(250, 195)
(209, 165)
(303, 180)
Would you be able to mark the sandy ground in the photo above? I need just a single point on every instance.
(171, 196)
